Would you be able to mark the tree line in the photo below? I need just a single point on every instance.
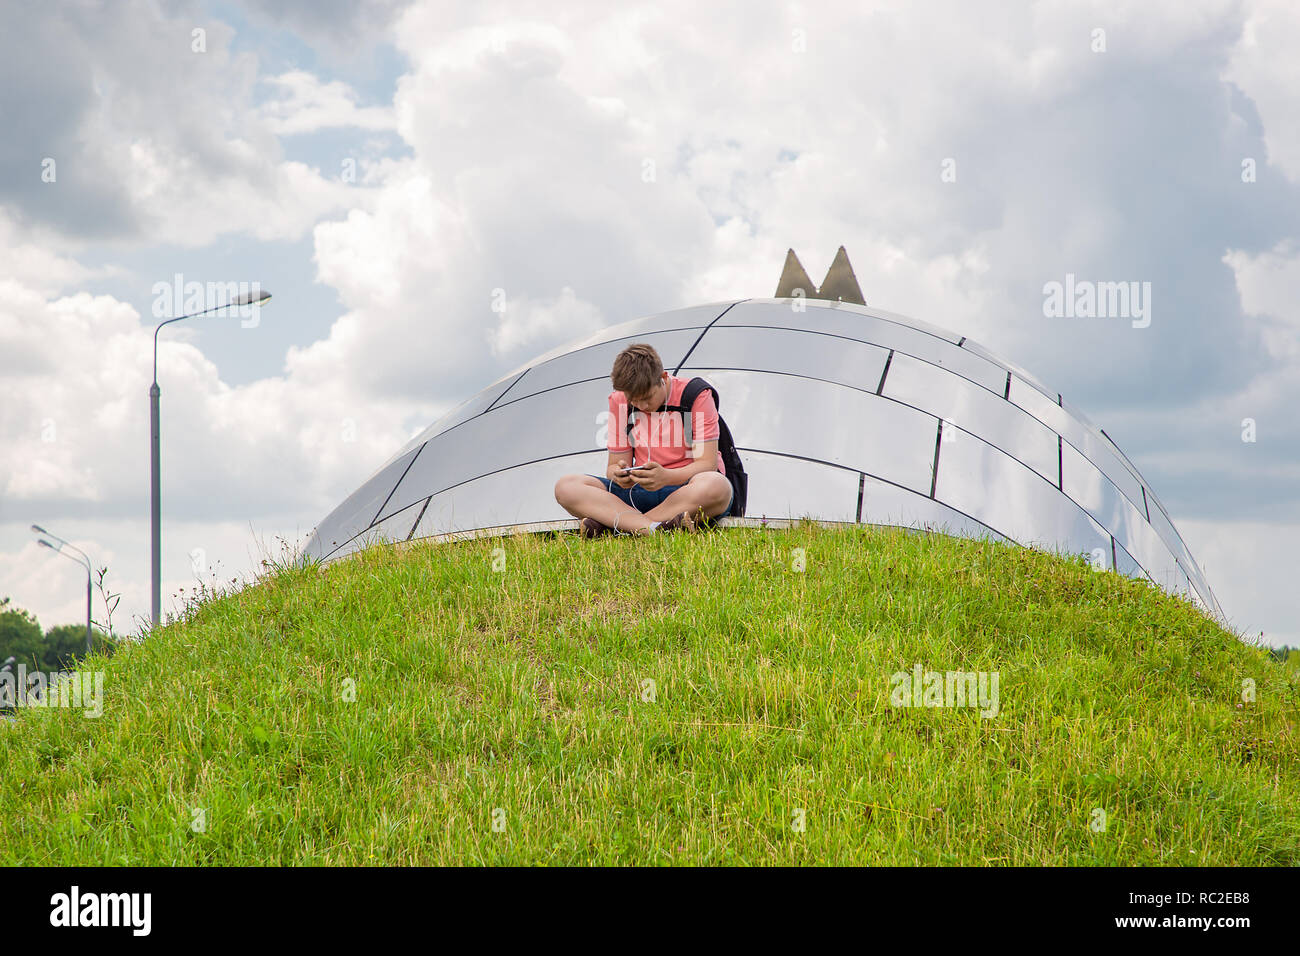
(57, 649)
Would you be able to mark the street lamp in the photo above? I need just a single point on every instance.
(244, 298)
(58, 549)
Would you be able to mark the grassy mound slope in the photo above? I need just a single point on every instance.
(681, 699)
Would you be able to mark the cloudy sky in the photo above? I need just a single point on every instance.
(383, 167)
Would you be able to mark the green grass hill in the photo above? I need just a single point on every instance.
(726, 697)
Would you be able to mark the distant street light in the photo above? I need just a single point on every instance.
(244, 298)
(58, 549)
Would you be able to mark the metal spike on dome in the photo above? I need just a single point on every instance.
(840, 282)
(794, 277)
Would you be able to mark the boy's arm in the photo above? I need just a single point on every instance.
(704, 447)
(705, 458)
(618, 457)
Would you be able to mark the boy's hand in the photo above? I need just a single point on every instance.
(652, 476)
(623, 481)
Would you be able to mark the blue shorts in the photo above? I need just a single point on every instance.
(643, 500)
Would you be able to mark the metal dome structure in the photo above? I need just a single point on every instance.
(841, 412)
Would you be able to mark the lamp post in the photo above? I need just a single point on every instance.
(58, 549)
(244, 298)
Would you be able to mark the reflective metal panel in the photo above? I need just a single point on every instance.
(854, 323)
(975, 409)
(514, 496)
(1019, 372)
(905, 321)
(826, 357)
(1127, 565)
(1093, 446)
(998, 491)
(1193, 596)
(551, 424)
(695, 317)
(1119, 452)
(784, 487)
(886, 504)
(1082, 418)
(396, 527)
(358, 510)
(1169, 535)
(1094, 492)
(825, 422)
(463, 412)
(597, 361)
(793, 305)
(814, 315)
(1174, 580)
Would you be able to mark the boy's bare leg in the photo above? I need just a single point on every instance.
(702, 493)
(585, 497)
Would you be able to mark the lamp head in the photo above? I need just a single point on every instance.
(260, 297)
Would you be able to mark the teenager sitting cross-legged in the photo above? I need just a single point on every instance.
(653, 481)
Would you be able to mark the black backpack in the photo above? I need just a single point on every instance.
(730, 457)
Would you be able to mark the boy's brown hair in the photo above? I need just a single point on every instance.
(637, 369)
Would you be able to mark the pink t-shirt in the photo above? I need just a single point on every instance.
(661, 433)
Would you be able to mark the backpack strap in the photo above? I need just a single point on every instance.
(689, 394)
(687, 402)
